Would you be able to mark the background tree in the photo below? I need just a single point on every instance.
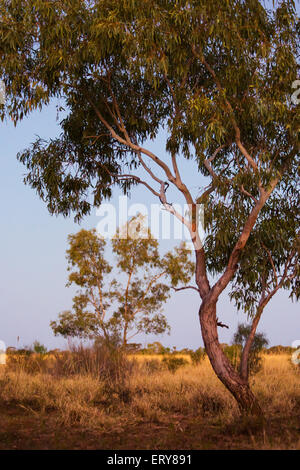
(39, 348)
(240, 339)
(130, 305)
(217, 75)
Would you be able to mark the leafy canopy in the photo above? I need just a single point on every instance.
(216, 75)
(129, 303)
(202, 69)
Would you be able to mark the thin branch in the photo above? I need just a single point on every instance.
(207, 162)
(126, 291)
(172, 93)
(138, 180)
(205, 194)
(177, 289)
(149, 171)
(134, 334)
(134, 177)
(248, 157)
(243, 238)
(222, 325)
(244, 191)
(136, 148)
(244, 370)
(116, 106)
(271, 261)
(169, 207)
(140, 150)
(175, 168)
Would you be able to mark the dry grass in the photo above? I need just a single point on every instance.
(157, 357)
(278, 385)
(145, 392)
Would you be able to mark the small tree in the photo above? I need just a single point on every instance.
(259, 342)
(39, 348)
(157, 348)
(197, 356)
(115, 308)
(174, 363)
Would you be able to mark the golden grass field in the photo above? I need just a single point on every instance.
(144, 406)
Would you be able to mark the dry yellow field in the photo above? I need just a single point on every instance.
(148, 407)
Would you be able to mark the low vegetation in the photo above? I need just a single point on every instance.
(103, 398)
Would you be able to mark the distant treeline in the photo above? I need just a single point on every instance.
(152, 348)
(158, 348)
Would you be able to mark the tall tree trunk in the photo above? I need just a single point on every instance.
(224, 370)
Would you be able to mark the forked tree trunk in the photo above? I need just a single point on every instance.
(224, 370)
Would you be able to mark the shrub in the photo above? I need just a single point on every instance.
(152, 365)
(234, 352)
(21, 352)
(280, 350)
(39, 348)
(156, 348)
(174, 363)
(197, 356)
(101, 361)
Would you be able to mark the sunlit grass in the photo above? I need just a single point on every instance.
(146, 393)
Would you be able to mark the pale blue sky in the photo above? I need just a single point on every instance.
(33, 244)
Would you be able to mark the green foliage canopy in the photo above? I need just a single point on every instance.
(214, 73)
(128, 304)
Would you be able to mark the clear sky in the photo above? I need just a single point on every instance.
(34, 274)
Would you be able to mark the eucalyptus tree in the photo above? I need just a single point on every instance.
(131, 301)
(217, 76)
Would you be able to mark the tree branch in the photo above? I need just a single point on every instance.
(243, 238)
(271, 261)
(243, 190)
(201, 274)
(136, 148)
(177, 289)
(222, 325)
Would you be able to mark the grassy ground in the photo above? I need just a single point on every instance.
(139, 404)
